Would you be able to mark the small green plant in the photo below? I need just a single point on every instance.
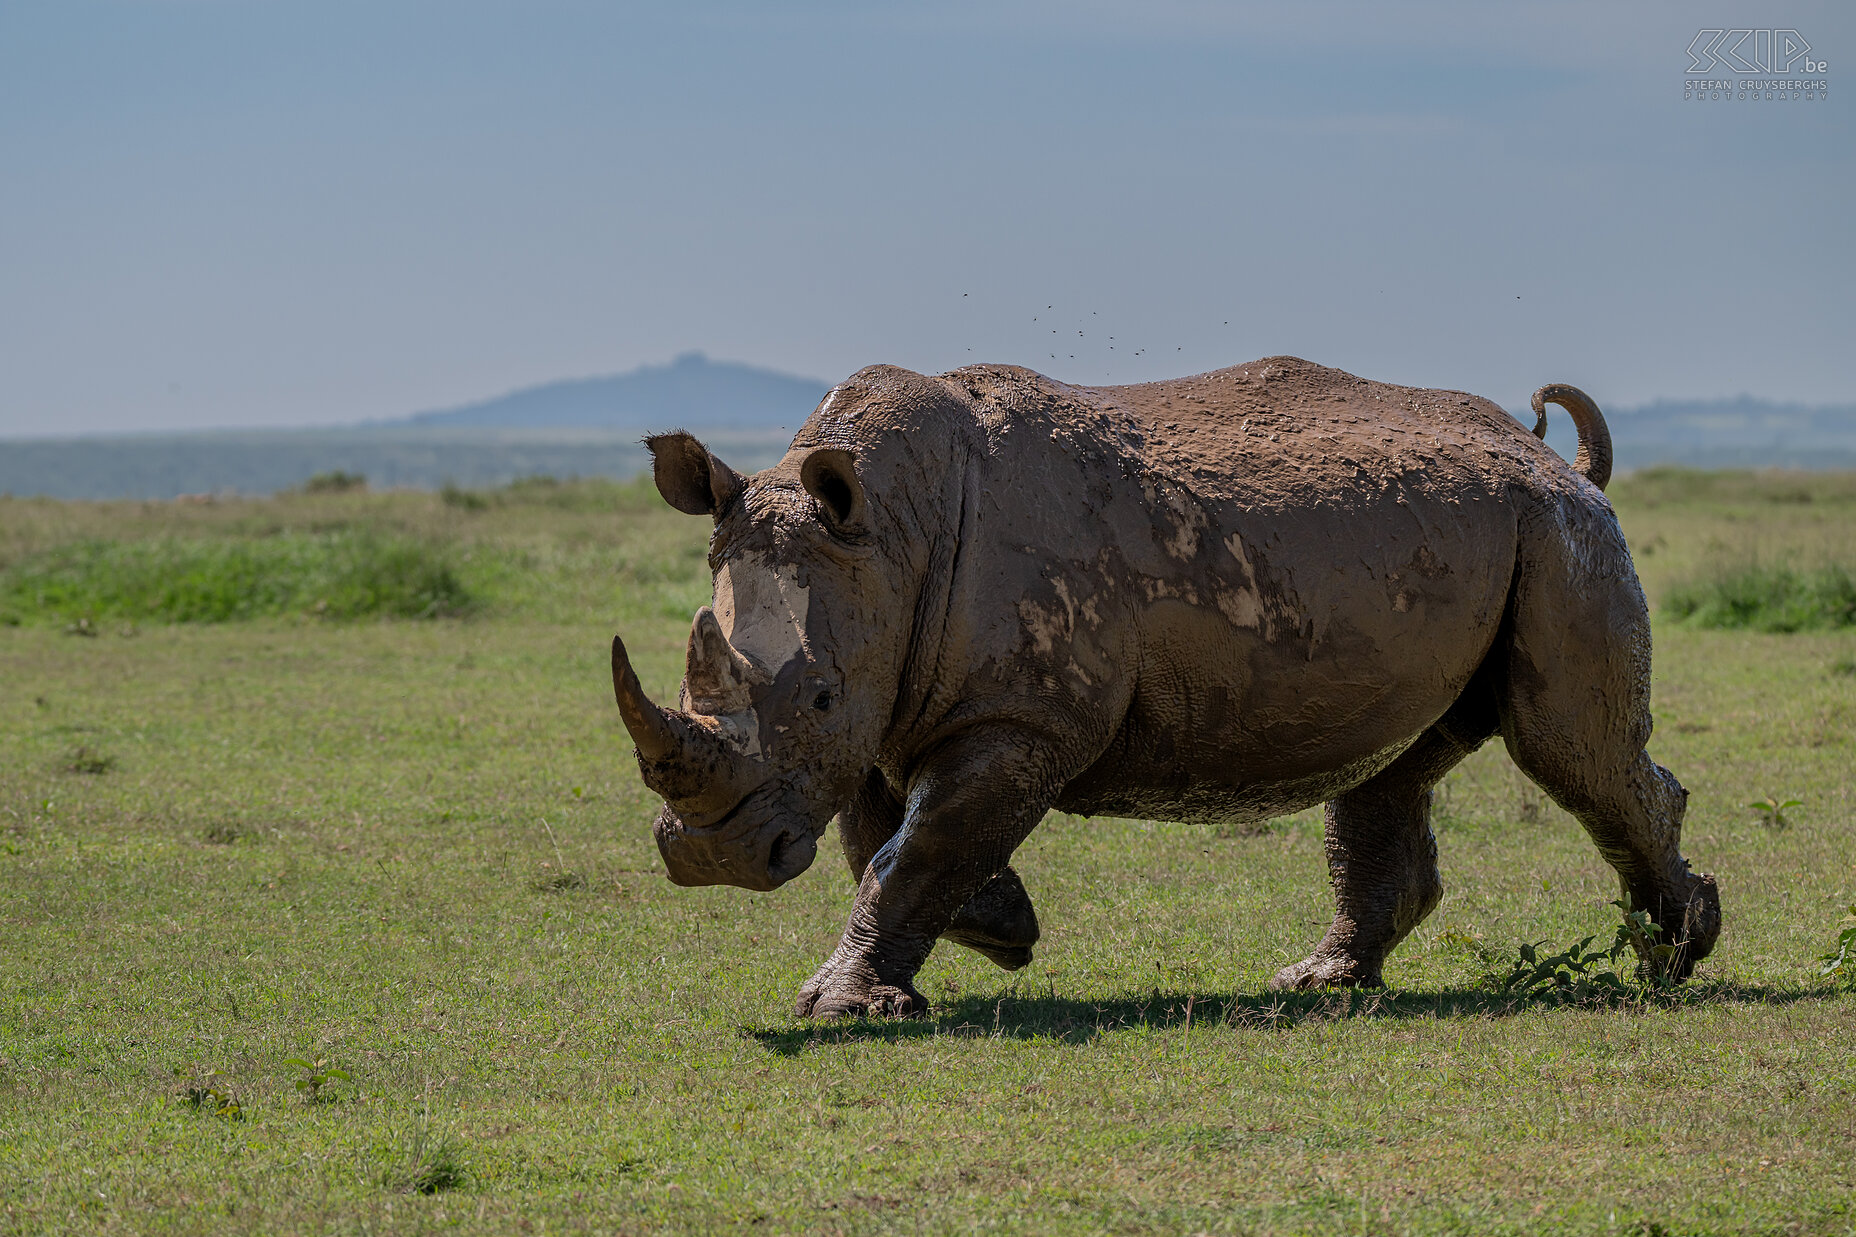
(1577, 971)
(1844, 667)
(1772, 810)
(1840, 963)
(203, 1094)
(316, 1075)
(88, 760)
(1580, 972)
(1638, 933)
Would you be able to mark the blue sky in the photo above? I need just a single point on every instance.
(267, 212)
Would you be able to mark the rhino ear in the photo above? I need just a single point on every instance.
(830, 476)
(689, 477)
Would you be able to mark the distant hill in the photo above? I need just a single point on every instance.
(1742, 432)
(691, 392)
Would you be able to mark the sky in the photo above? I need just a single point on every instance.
(271, 212)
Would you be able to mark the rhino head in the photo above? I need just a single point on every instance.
(790, 674)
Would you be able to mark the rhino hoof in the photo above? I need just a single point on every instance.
(998, 922)
(1326, 971)
(1001, 954)
(878, 1001)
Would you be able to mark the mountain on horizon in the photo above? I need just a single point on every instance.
(690, 392)
(1681, 427)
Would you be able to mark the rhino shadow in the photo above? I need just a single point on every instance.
(1029, 1016)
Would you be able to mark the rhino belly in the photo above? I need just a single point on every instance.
(1231, 723)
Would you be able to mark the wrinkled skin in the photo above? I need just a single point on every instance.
(959, 602)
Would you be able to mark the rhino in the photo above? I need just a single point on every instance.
(961, 601)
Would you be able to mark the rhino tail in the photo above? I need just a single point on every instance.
(1594, 458)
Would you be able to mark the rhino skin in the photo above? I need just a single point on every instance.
(961, 601)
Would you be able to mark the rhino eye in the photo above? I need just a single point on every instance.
(822, 702)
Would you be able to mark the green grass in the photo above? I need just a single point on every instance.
(337, 575)
(1762, 598)
(305, 841)
(537, 550)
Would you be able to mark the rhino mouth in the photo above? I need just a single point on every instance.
(757, 844)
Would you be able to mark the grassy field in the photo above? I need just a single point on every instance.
(414, 855)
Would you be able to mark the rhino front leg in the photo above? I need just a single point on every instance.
(968, 809)
(1382, 858)
(998, 922)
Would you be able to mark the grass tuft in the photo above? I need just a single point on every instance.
(557, 882)
(338, 575)
(431, 1161)
(1761, 598)
(88, 760)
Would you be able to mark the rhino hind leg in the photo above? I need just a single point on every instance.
(1382, 856)
(998, 922)
(1576, 719)
(1633, 810)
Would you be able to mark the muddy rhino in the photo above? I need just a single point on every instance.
(961, 601)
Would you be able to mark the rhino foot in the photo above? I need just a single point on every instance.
(998, 922)
(1005, 957)
(842, 990)
(1327, 971)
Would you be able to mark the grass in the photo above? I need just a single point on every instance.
(424, 1160)
(537, 550)
(337, 575)
(326, 842)
(1744, 551)
(1764, 598)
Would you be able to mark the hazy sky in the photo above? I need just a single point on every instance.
(269, 212)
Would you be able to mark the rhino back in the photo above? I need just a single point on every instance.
(1237, 593)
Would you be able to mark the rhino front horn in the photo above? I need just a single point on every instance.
(655, 737)
(681, 759)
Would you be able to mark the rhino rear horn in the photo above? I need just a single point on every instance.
(689, 476)
(720, 678)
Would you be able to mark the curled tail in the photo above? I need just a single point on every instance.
(1594, 458)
